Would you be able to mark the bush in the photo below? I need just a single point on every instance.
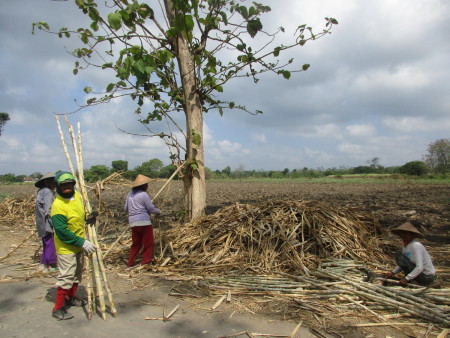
(415, 168)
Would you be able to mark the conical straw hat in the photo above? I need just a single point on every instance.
(407, 227)
(40, 182)
(140, 180)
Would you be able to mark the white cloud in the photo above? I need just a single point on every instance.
(258, 137)
(412, 124)
(349, 148)
(360, 130)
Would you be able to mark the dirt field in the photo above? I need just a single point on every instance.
(427, 206)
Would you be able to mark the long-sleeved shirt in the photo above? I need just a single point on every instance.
(68, 220)
(417, 254)
(139, 207)
(44, 200)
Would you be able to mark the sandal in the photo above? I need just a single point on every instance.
(62, 314)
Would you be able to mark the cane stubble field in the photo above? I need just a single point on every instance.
(426, 205)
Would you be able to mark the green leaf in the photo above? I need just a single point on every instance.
(231, 105)
(276, 51)
(87, 90)
(254, 26)
(79, 3)
(107, 65)
(94, 26)
(114, 20)
(196, 138)
(75, 71)
(110, 87)
(305, 66)
(241, 47)
(224, 17)
(286, 74)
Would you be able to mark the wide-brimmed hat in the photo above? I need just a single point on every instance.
(40, 183)
(140, 180)
(407, 227)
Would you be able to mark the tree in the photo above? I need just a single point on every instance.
(96, 173)
(438, 157)
(150, 168)
(167, 171)
(4, 117)
(415, 168)
(177, 58)
(119, 165)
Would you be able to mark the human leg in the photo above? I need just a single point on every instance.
(404, 262)
(48, 257)
(148, 243)
(136, 244)
(67, 267)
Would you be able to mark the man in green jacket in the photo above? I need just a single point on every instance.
(68, 217)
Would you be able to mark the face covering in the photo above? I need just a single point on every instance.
(62, 177)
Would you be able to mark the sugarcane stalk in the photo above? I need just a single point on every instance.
(102, 269)
(407, 307)
(90, 298)
(91, 231)
(63, 142)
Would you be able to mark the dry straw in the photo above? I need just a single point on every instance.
(273, 236)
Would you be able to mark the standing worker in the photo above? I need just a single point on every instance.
(68, 219)
(44, 200)
(139, 208)
(413, 259)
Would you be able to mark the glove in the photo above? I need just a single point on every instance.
(92, 218)
(89, 247)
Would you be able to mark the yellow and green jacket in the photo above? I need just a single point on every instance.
(68, 219)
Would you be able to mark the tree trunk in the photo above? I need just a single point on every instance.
(194, 179)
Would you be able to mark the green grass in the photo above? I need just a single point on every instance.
(356, 179)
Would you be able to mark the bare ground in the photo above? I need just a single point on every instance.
(426, 205)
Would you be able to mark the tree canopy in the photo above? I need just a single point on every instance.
(176, 57)
(4, 117)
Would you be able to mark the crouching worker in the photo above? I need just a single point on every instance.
(413, 259)
(68, 219)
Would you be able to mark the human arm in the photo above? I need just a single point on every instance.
(63, 232)
(418, 254)
(151, 209)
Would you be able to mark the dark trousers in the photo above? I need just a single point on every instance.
(407, 266)
(142, 237)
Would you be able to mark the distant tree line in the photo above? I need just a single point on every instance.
(435, 162)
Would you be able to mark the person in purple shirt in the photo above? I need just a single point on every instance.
(139, 208)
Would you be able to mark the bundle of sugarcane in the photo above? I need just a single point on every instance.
(418, 301)
(273, 236)
(95, 269)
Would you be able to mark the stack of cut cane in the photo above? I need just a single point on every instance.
(95, 269)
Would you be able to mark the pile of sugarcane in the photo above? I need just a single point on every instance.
(97, 282)
(18, 209)
(273, 236)
(342, 284)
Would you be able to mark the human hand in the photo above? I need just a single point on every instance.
(404, 282)
(89, 247)
(92, 218)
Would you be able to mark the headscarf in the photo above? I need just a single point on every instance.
(64, 177)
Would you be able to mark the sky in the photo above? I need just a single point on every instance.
(378, 86)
